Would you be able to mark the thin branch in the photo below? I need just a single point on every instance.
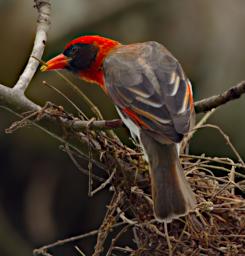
(104, 184)
(78, 166)
(90, 164)
(97, 124)
(66, 98)
(107, 223)
(115, 239)
(170, 247)
(214, 159)
(227, 139)
(56, 136)
(79, 251)
(232, 176)
(43, 24)
(65, 241)
(70, 240)
(215, 101)
(91, 105)
(190, 134)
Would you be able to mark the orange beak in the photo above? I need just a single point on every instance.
(58, 62)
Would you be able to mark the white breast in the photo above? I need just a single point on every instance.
(133, 128)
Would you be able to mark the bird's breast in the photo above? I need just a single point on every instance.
(133, 128)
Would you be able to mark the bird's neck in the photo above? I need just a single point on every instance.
(95, 73)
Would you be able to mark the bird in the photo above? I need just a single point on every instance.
(154, 99)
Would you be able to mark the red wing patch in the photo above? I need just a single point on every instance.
(190, 96)
(133, 116)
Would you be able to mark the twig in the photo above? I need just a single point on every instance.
(59, 139)
(227, 139)
(97, 124)
(232, 175)
(180, 236)
(217, 100)
(115, 239)
(123, 249)
(107, 223)
(170, 248)
(214, 159)
(65, 97)
(93, 108)
(41, 253)
(105, 183)
(78, 166)
(24, 121)
(79, 251)
(79, 154)
(90, 164)
(219, 191)
(64, 241)
(124, 218)
(71, 239)
(190, 134)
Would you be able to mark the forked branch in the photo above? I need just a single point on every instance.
(43, 24)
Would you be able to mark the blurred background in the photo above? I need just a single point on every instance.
(42, 196)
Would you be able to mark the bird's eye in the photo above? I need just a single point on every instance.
(81, 56)
(74, 50)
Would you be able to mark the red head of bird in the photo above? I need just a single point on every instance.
(84, 56)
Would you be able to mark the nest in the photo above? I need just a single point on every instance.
(216, 227)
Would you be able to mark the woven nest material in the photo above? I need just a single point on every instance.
(216, 227)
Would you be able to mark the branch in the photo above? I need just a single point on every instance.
(44, 249)
(203, 105)
(14, 99)
(215, 101)
(43, 24)
(97, 124)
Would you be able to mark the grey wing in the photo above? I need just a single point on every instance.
(147, 80)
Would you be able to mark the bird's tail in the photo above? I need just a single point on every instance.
(171, 193)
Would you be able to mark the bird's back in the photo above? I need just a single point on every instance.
(146, 79)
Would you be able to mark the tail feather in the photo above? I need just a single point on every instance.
(171, 193)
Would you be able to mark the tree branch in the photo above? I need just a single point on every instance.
(97, 124)
(14, 99)
(215, 101)
(18, 102)
(43, 24)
